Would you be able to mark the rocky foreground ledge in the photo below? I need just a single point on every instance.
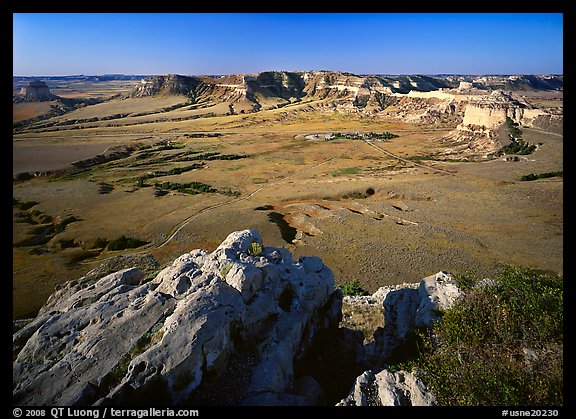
(233, 327)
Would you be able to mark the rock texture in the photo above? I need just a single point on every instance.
(124, 339)
(405, 307)
(388, 389)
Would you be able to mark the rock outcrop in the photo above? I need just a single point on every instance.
(272, 89)
(405, 307)
(476, 137)
(126, 339)
(36, 91)
(387, 388)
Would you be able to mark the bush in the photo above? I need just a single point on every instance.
(255, 249)
(532, 176)
(519, 147)
(124, 242)
(353, 288)
(500, 345)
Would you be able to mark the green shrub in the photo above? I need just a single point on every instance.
(255, 249)
(191, 188)
(477, 354)
(518, 146)
(532, 176)
(353, 288)
(513, 128)
(124, 242)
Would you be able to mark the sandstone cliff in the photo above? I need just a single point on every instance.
(476, 136)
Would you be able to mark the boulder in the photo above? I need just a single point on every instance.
(387, 388)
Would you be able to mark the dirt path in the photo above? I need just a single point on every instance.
(178, 227)
(543, 132)
(185, 222)
(406, 160)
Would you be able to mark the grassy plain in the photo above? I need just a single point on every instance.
(416, 222)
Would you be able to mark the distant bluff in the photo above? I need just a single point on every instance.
(323, 84)
(346, 92)
(36, 91)
(284, 85)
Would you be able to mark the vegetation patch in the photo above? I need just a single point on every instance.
(345, 171)
(81, 255)
(203, 135)
(518, 146)
(212, 156)
(169, 145)
(225, 270)
(363, 136)
(353, 288)
(502, 344)
(532, 176)
(515, 132)
(61, 226)
(191, 188)
(23, 176)
(160, 173)
(359, 194)
(23, 205)
(124, 242)
(98, 243)
(255, 249)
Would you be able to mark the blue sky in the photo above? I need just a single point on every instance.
(236, 43)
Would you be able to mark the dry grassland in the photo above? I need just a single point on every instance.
(417, 221)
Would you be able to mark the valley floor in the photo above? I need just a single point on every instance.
(368, 215)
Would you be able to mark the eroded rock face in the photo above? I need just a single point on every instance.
(119, 341)
(36, 91)
(405, 307)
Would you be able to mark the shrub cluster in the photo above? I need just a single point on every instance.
(532, 176)
(124, 242)
(353, 288)
(499, 345)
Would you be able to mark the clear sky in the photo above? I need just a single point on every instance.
(240, 43)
